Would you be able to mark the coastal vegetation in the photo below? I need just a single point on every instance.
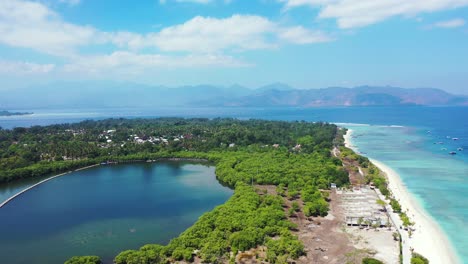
(84, 260)
(293, 156)
(371, 261)
(418, 259)
(245, 221)
(38, 151)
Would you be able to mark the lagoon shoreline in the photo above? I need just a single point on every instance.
(11, 198)
(428, 239)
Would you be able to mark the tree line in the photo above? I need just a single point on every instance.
(293, 156)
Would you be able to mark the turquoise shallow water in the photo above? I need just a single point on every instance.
(107, 209)
(438, 181)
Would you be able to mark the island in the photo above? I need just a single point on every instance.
(299, 193)
(8, 113)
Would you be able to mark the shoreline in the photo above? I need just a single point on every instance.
(11, 198)
(428, 239)
(41, 182)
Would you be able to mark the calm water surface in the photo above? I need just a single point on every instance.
(107, 209)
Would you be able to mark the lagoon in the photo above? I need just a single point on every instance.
(106, 209)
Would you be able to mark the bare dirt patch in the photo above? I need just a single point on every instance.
(323, 238)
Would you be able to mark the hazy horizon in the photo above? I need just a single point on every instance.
(98, 83)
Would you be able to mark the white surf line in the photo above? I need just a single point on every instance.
(39, 183)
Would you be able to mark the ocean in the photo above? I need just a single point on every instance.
(413, 141)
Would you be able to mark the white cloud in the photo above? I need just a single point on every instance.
(33, 25)
(205, 34)
(295, 3)
(301, 35)
(24, 68)
(135, 63)
(200, 41)
(453, 23)
(359, 13)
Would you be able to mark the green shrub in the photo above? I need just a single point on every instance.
(84, 260)
(371, 261)
(418, 259)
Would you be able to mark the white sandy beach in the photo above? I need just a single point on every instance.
(429, 240)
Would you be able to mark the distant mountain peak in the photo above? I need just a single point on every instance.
(278, 86)
(125, 94)
(365, 95)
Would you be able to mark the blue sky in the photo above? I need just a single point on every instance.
(305, 43)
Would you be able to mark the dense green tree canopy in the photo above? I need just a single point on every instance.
(245, 221)
(294, 156)
(36, 151)
(84, 260)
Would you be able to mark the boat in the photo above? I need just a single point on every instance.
(460, 149)
(452, 153)
(455, 138)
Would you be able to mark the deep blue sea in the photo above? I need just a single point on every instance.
(414, 141)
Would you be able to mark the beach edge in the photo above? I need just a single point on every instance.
(429, 239)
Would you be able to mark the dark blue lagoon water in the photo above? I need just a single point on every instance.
(396, 136)
(106, 209)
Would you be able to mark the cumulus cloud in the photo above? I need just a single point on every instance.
(200, 41)
(33, 25)
(207, 34)
(301, 35)
(452, 23)
(24, 68)
(359, 13)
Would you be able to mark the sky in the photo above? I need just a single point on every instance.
(304, 43)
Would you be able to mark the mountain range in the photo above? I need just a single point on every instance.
(113, 94)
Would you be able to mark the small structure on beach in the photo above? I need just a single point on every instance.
(361, 208)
